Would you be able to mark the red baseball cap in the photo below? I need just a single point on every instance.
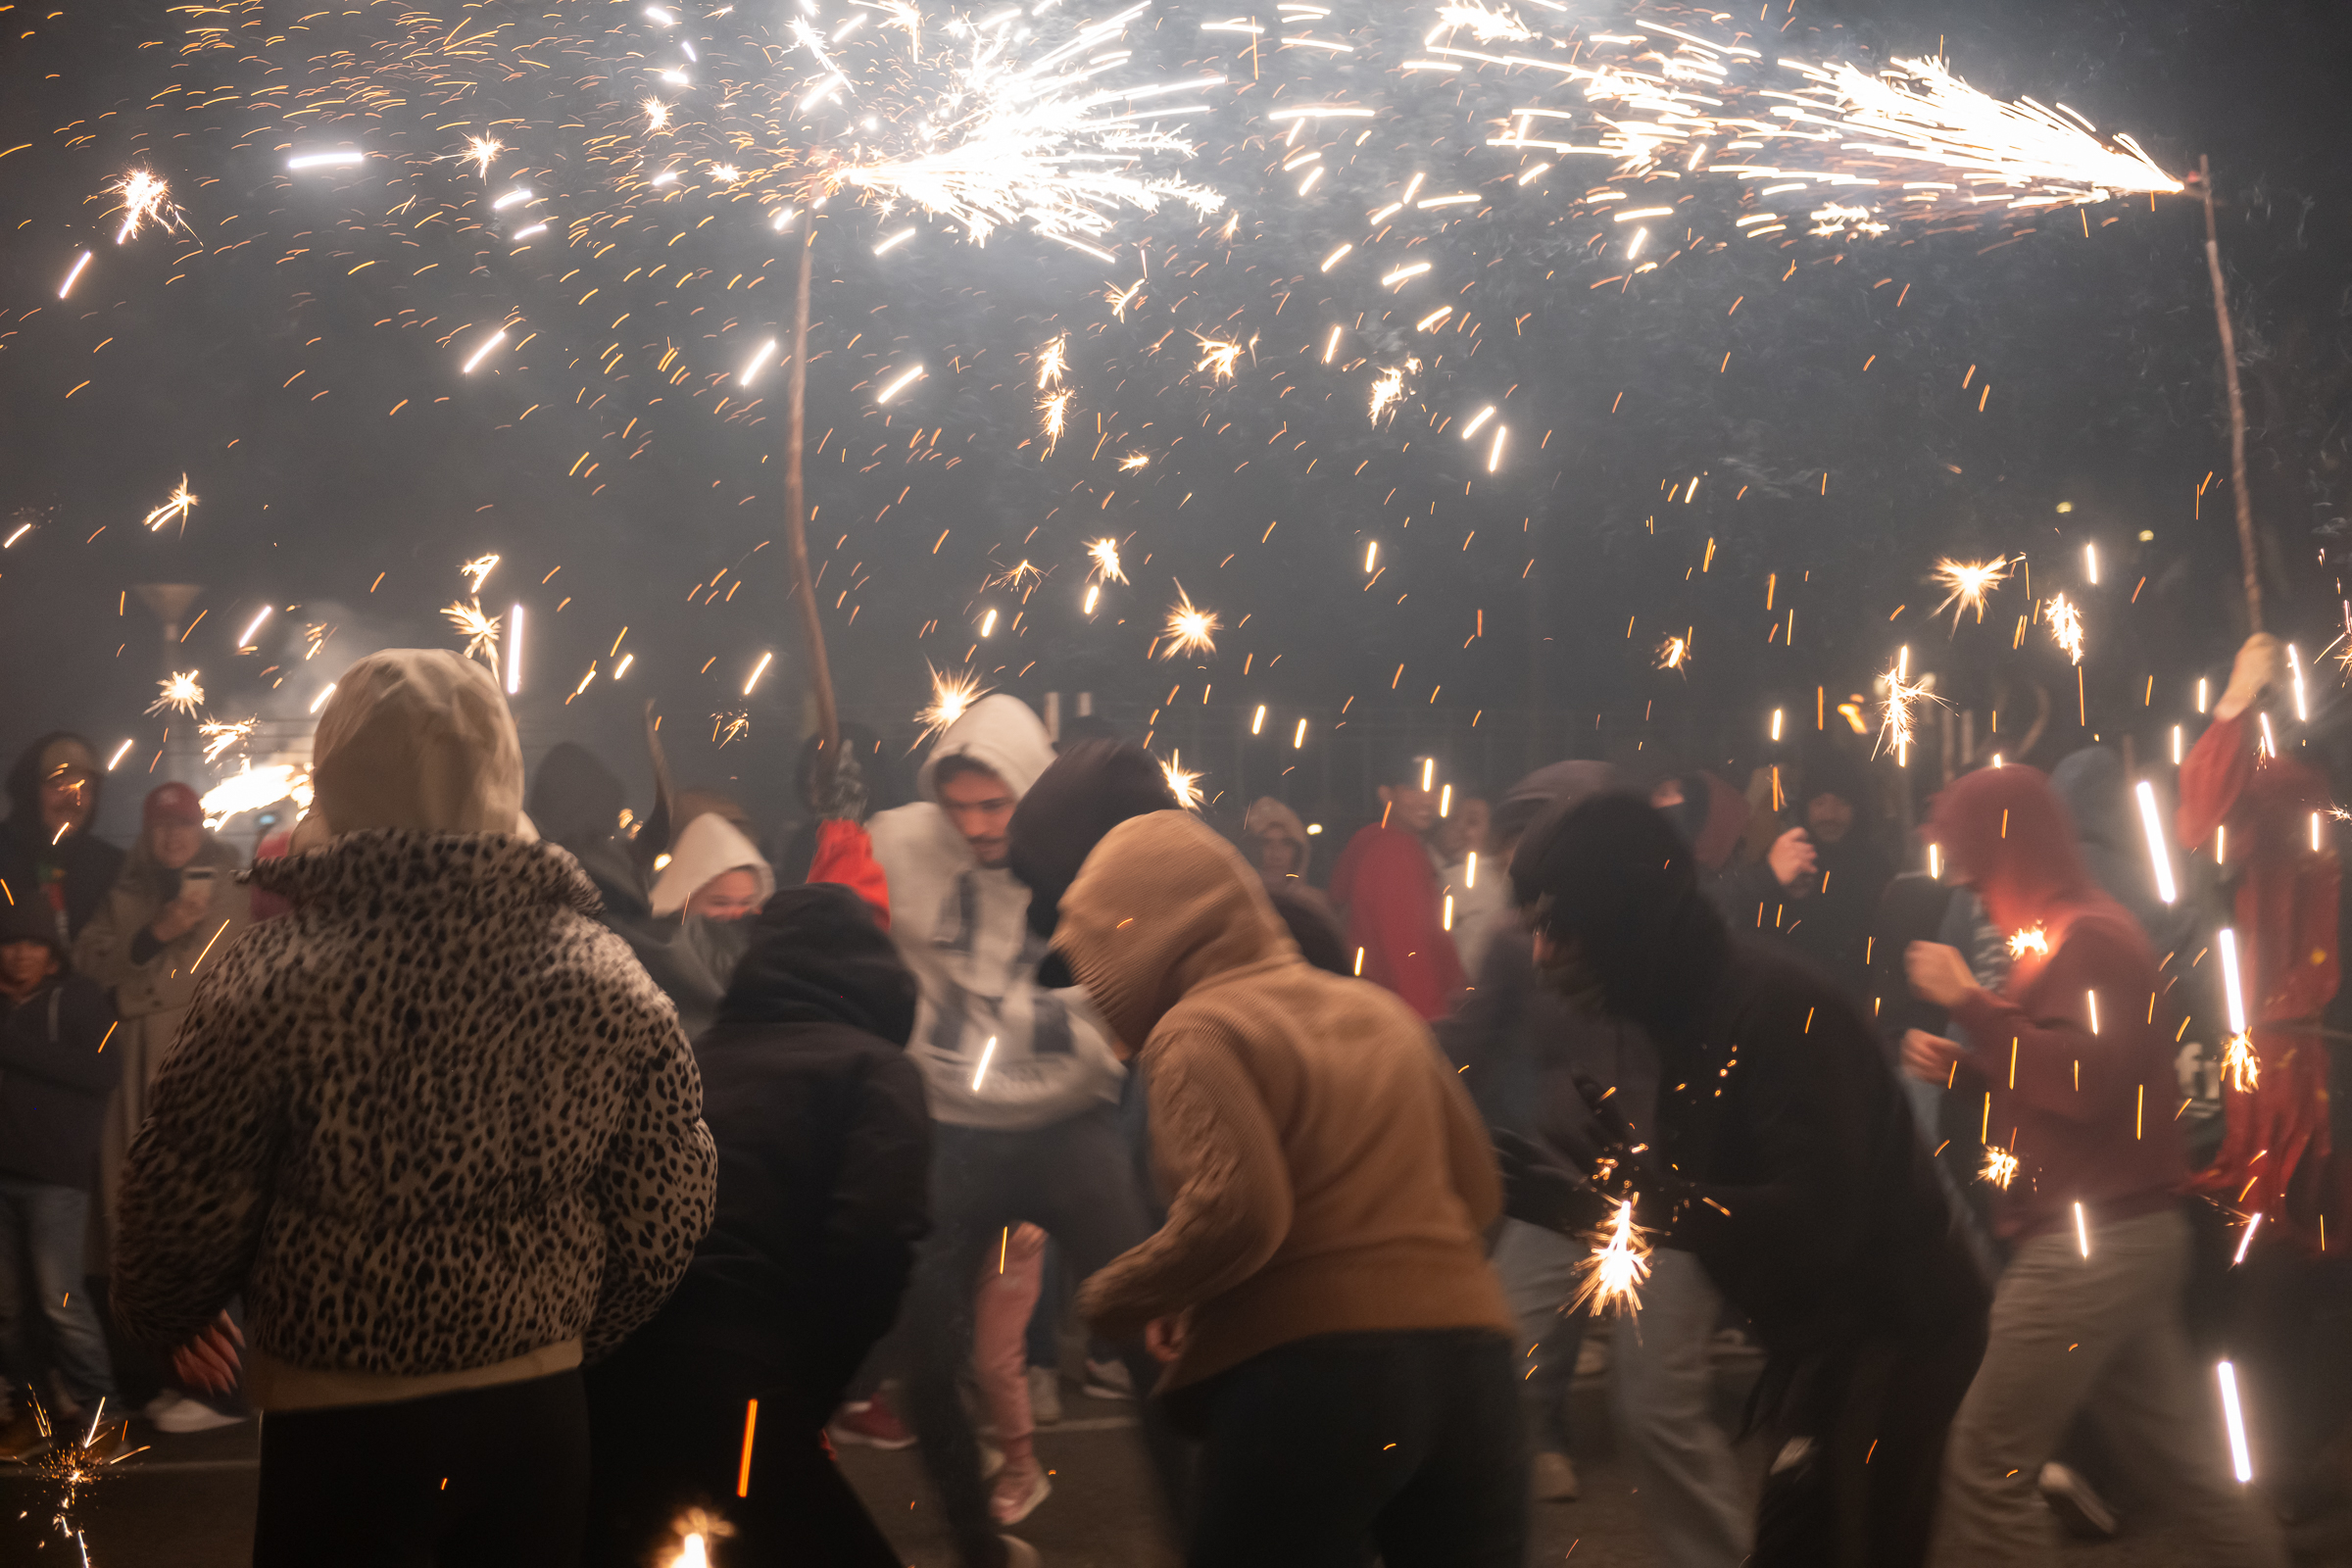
(173, 802)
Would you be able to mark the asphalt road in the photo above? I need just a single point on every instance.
(188, 1503)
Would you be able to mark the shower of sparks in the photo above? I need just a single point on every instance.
(1007, 143)
(178, 694)
(252, 788)
(477, 573)
(2000, 1167)
(2240, 1065)
(1190, 629)
(77, 1460)
(1218, 355)
(1051, 361)
(1613, 1272)
(1183, 783)
(1968, 581)
(951, 696)
(731, 725)
(176, 506)
(1134, 461)
(2066, 626)
(1485, 24)
(1389, 390)
(1104, 554)
(479, 630)
(221, 734)
(657, 114)
(2036, 941)
(1051, 411)
(1020, 574)
(481, 152)
(1895, 726)
(145, 199)
(1118, 299)
(1674, 652)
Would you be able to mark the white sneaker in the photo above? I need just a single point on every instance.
(1018, 1490)
(1045, 1396)
(190, 1416)
(1109, 1380)
(1552, 1478)
(157, 1408)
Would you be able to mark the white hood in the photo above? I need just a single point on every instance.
(711, 846)
(415, 738)
(1000, 732)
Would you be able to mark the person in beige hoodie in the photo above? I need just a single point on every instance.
(439, 1130)
(1320, 1291)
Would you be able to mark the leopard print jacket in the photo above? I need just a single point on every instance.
(433, 1118)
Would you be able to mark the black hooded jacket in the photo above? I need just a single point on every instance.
(1812, 1202)
(91, 864)
(824, 1137)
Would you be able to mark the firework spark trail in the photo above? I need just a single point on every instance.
(1674, 652)
(176, 506)
(252, 788)
(1896, 729)
(1183, 783)
(1218, 355)
(480, 630)
(145, 199)
(1104, 554)
(221, 734)
(1968, 581)
(180, 693)
(1051, 411)
(2000, 1167)
(1190, 629)
(1612, 1274)
(2066, 626)
(951, 696)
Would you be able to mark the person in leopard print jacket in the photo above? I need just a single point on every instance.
(437, 1128)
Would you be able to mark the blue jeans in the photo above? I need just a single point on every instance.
(41, 1231)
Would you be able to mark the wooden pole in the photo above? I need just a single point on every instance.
(796, 533)
(2238, 404)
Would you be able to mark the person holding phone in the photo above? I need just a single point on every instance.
(173, 912)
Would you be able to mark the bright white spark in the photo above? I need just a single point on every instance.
(1613, 1272)
(2066, 626)
(1218, 355)
(951, 696)
(479, 630)
(67, 287)
(145, 199)
(180, 693)
(1105, 555)
(2036, 941)
(1968, 581)
(221, 734)
(477, 573)
(1190, 629)
(756, 363)
(898, 383)
(488, 343)
(176, 506)
(1053, 359)
(2000, 1167)
(481, 152)
(252, 788)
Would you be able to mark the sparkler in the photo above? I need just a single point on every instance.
(2159, 858)
(1183, 783)
(1217, 355)
(76, 1465)
(1053, 359)
(1674, 652)
(221, 734)
(2036, 941)
(479, 630)
(477, 573)
(1612, 1274)
(1968, 581)
(2066, 626)
(481, 152)
(731, 725)
(1134, 461)
(951, 695)
(251, 788)
(1896, 729)
(1106, 556)
(1190, 629)
(145, 199)
(1389, 390)
(2239, 1064)
(179, 694)
(1051, 411)
(2000, 1167)
(176, 506)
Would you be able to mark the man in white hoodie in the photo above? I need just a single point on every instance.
(1022, 1083)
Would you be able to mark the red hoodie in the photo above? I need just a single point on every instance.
(1395, 919)
(2088, 1112)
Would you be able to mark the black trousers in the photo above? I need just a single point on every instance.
(490, 1476)
(1322, 1453)
(666, 1418)
(1075, 1181)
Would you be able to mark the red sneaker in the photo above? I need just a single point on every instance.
(871, 1422)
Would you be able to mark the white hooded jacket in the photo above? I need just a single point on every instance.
(964, 930)
(710, 846)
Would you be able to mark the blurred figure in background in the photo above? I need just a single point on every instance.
(1467, 875)
(174, 915)
(1333, 1331)
(2075, 1075)
(823, 1145)
(1712, 816)
(1386, 887)
(703, 899)
(1832, 907)
(55, 1075)
(47, 855)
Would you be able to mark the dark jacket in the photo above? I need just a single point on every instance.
(1811, 1202)
(89, 865)
(824, 1139)
(55, 1075)
(1089, 790)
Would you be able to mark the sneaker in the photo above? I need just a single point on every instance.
(23, 1439)
(1045, 1396)
(1552, 1478)
(1019, 1554)
(869, 1422)
(1109, 1380)
(168, 1399)
(1019, 1488)
(191, 1415)
(2077, 1505)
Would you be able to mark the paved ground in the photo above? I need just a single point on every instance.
(188, 1503)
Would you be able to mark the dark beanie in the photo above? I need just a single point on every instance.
(1089, 790)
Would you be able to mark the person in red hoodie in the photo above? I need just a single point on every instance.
(1387, 880)
(2286, 914)
(2074, 1059)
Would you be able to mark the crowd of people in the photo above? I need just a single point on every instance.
(555, 1176)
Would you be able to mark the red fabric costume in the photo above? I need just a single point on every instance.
(846, 854)
(2286, 918)
(1394, 916)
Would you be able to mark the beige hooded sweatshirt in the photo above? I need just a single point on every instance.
(1326, 1173)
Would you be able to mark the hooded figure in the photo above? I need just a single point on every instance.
(1387, 884)
(439, 1131)
(47, 855)
(1321, 1275)
(964, 929)
(173, 913)
(1782, 1154)
(2074, 1061)
(1090, 789)
(822, 1152)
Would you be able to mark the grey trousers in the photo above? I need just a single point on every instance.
(1661, 1388)
(2102, 1335)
